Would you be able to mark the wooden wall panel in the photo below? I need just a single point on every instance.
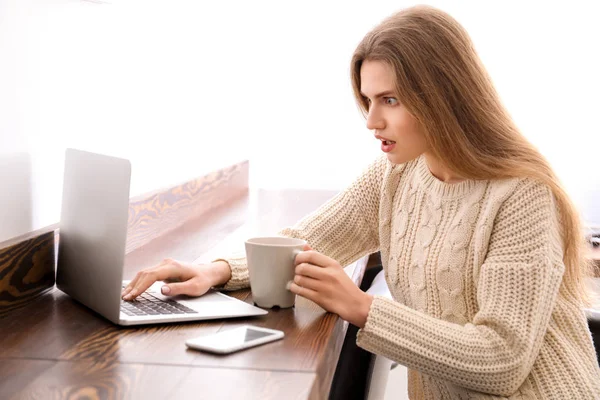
(26, 270)
(153, 215)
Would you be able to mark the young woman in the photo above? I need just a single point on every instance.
(481, 247)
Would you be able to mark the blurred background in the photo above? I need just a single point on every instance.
(182, 88)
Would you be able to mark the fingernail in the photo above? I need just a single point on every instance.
(165, 289)
(288, 285)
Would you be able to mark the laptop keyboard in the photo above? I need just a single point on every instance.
(147, 304)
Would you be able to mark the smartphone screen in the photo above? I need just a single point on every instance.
(234, 339)
(252, 334)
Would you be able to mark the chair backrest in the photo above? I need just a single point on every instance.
(380, 366)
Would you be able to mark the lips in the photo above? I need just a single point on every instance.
(387, 145)
(384, 140)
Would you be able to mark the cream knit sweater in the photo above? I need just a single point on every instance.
(474, 269)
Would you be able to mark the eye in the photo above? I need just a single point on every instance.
(390, 101)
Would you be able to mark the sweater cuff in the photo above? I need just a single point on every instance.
(376, 334)
(239, 274)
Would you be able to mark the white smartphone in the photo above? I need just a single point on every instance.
(236, 339)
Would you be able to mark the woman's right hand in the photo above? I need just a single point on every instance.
(179, 278)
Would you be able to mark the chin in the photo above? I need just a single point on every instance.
(398, 158)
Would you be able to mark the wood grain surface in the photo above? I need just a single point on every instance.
(45, 379)
(155, 214)
(26, 270)
(56, 348)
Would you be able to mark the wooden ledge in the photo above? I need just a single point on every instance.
(27, 268)
(155, 214)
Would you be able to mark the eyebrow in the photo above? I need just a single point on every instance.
(382, 94)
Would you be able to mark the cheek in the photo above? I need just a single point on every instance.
(413, 126)
(408, 129)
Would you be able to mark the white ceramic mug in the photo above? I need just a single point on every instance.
(271, 265)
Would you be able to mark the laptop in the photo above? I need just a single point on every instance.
(91, 250)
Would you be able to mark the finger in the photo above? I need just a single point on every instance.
(130, 286)
(189, 287)
(126, 289)
(315, 258)
(146, 278)
(142, 284)
(304, 292)
(310, 270)
(136, 278)
(308, 283)
(307, 247)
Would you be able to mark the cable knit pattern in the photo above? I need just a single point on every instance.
(475, 271)
(346, 239)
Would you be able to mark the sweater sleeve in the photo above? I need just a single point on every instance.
(345, 228)
(517, 288)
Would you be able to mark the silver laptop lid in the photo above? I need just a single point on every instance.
(93, 230)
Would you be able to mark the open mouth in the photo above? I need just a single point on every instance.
(387, 145)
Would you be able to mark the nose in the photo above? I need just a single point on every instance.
(374, 120)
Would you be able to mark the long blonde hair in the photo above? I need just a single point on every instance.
(443, 84)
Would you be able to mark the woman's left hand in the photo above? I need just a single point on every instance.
(323, 280)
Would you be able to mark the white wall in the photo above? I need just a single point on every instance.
(183, 87)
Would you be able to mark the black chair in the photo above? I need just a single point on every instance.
(595, 329)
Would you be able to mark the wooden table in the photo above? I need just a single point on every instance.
(57, 348)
